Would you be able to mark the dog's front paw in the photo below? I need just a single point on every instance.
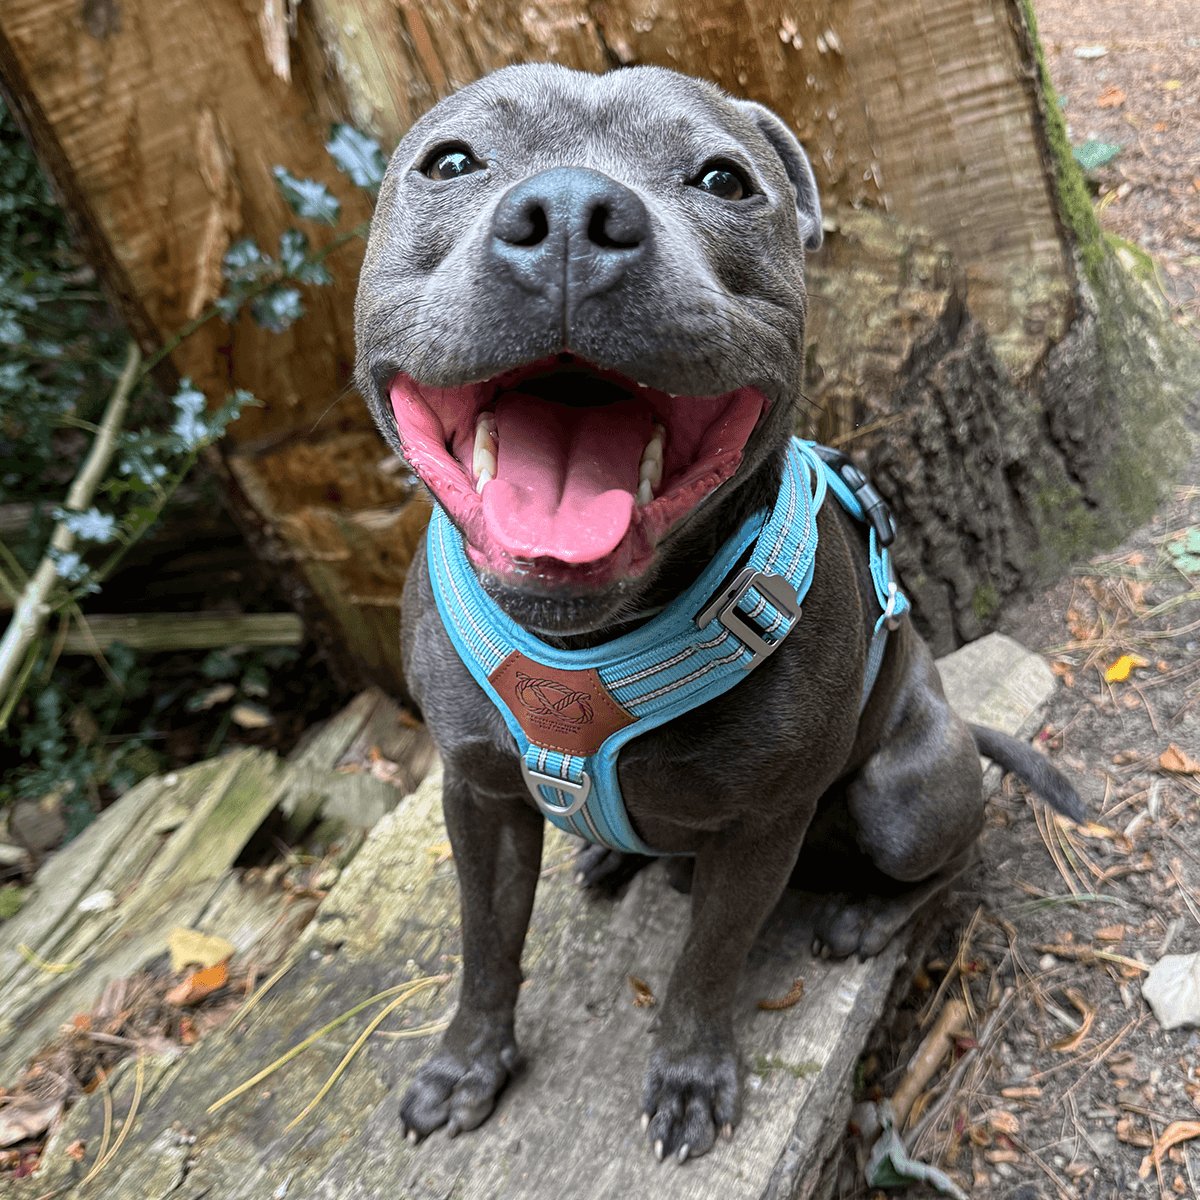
(456, 1091)
(689, 1097)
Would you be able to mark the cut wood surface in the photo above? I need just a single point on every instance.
(1015, 410)
(566, 1126)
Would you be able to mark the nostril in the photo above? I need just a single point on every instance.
(535, 228)
(605, 232)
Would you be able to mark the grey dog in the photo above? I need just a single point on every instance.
(622, 257)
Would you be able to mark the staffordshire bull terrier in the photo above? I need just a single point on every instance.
(581, 321)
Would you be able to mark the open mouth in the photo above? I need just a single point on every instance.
(560, 470)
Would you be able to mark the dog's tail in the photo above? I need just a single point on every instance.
(1031, 768)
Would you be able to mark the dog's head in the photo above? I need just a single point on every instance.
(581, 321)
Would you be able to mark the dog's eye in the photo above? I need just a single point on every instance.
(451, 162)
(723, 180)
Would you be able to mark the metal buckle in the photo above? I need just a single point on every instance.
(725, 608)
(536, 779)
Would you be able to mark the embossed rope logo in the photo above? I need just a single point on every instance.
(548, 698)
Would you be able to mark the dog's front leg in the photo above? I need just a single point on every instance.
(691, 1087)
(497, 843)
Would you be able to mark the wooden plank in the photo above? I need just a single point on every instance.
(160, 852)
(567, 1125)
(394, 916)
(184, 631)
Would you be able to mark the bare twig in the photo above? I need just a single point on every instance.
(31, 611)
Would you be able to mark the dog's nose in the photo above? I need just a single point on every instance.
(569, 228)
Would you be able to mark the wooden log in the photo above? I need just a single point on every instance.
(567, 1124)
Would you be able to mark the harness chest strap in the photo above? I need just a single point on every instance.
(570, 712)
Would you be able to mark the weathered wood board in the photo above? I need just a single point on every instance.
(567, 1126)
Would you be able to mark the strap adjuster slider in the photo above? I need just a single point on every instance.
(724, 608)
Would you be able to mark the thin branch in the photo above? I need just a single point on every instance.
(25, 627)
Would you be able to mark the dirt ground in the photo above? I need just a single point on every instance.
(1062, 1078)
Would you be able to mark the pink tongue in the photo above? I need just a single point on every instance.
(566, 477)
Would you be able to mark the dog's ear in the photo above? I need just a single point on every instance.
(795, 162)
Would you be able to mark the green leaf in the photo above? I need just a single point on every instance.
(278, 309)
(308, 198)
(357, 155)
(1192, 541)
(1091, 154)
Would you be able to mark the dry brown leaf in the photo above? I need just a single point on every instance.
(1131, 1135)
(1174, 759)
(643, 997)
(1002, 1121)
(1111, 97)
(788, 1000)
(198, 985)
(1123, 757)
(1109, 933)
(1177, 1131)
(1001, 1156)
(1087, 1011)
(76, 1150)
(1028, 1092)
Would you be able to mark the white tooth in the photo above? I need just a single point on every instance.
(651, 466)
(644, 492)
(485, 476)
(484, 457)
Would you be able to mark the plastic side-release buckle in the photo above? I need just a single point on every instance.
(876, 509)
(724, 607)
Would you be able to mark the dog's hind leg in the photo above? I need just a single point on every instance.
(915, 809)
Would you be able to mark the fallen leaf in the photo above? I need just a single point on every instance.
(76, 1150)
(440, 852)
(251, 716)
(1174, 759)
(1109, 933)
(1119, 671)
(788, 1000)
(1160, 127)
(1177, 1131)
(190, 946)
(1111, 97)
(1001, 1156)
(1001, 1121)
(1087, 1011)
(198, 986)
(643, 997)
(1131, 1135)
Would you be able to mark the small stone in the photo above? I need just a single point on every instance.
(1172, 989)
(1047, 962)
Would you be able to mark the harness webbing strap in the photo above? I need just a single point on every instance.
(570, 712)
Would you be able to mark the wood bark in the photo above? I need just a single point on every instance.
(972, 340)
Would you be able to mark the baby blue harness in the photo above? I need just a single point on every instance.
(571, 711)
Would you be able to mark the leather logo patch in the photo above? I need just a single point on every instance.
(570, 711)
